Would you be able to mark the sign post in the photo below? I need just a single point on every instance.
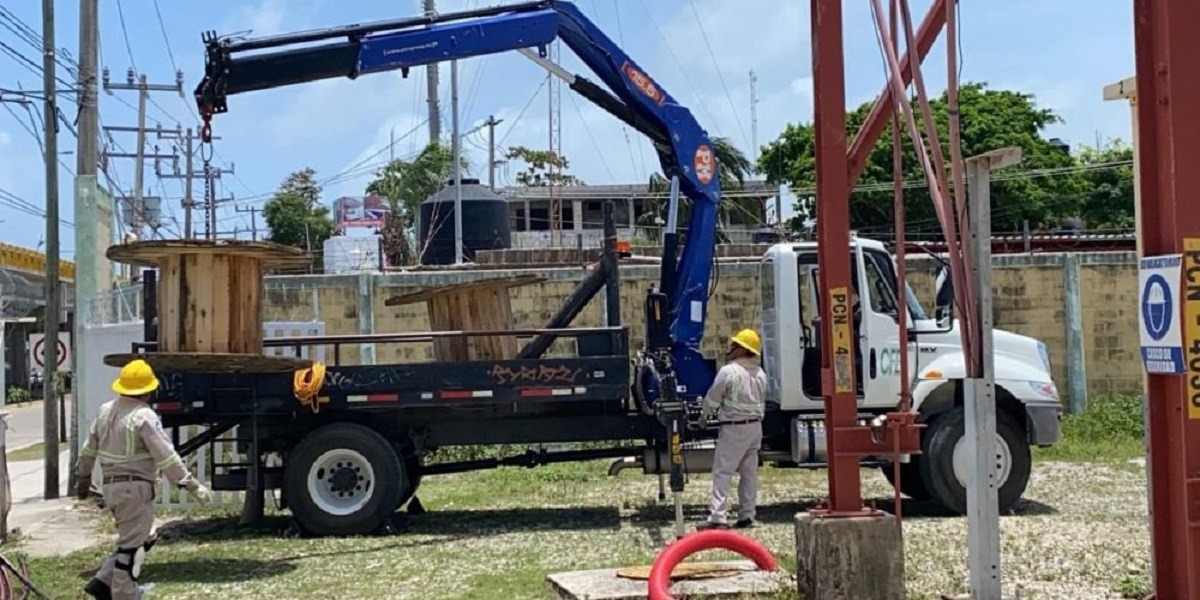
(1160, 330)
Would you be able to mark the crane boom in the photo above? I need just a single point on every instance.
(683, 146)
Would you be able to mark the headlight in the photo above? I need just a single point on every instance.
(1045, 354)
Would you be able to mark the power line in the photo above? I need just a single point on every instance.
(717, 66)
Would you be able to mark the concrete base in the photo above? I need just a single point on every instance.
(849, 558)
(604, 584)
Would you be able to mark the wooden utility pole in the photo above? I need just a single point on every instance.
(491, 124)
(53, 318)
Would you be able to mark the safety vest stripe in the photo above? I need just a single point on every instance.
(122, 458)
(88, 451)
(171, 460)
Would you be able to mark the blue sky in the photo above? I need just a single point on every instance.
(1062, 51)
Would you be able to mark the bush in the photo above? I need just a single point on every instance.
(1107, 419)
(16, 395)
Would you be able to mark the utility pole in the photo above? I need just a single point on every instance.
(143, 88)
(491, 124)
(188, 176)
(92, 220)
(50, 343)
(979, 398)
(431, 87)
(253, 210)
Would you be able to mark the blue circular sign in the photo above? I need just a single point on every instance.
(1157, 306)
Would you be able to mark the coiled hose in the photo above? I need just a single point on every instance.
(306, 385)
(672, 555)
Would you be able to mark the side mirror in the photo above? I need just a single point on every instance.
(944, 302)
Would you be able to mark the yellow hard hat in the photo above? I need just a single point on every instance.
(748, 339)
(136, 379)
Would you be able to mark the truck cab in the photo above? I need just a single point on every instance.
(1028, 407)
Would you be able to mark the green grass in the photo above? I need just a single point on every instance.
(1110, 430)
(34, 452)
(498, 533)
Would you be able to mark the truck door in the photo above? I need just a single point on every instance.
(880, 331)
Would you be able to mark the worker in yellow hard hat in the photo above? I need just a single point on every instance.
(127, 438)
(738, 400)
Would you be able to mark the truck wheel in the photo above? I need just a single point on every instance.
(343, 479)
(911, 484)
(945, 466)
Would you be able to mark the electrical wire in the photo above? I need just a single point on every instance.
(125, 33)
(717, 66)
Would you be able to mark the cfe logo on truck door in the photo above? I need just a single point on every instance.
(839, 306)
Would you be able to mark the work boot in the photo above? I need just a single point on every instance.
(705, 526)
(744, 524)
(98, 589)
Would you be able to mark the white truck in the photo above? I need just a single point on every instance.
(1027, 402)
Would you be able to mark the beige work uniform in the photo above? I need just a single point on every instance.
(128, 439)
(738, 398)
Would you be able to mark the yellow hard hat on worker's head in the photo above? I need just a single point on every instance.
(748, 339)
(136, 379)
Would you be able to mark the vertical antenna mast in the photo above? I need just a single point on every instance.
(753, 116)
(555, 95)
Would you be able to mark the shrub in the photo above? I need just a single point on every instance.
(1107, 419)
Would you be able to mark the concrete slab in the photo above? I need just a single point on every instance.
(604, 584)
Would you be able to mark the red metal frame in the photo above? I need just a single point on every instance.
(1168, 80)
(836, 171)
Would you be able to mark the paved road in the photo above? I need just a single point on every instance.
(25, 425)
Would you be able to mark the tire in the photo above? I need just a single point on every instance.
(946, 434)
(343, 479)
(911, 484)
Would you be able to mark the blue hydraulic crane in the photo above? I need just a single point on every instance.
(684, 148)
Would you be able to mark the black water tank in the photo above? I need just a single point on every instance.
(485, 223)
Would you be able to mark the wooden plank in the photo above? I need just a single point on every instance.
(199, 281)
(252, 306)
(470, 286)
(219, 294)
(153, 252)
(170, 306)
(508, 344)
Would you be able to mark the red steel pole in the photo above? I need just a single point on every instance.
(833, 251)
(1168, 80)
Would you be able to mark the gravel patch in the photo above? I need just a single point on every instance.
(1080, 535)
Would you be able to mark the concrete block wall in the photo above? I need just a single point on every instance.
(1030, 297)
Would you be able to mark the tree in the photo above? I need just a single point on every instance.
(990, 119)
(733, 168)
(295, 215)
(538, 164)
(1108, 203)
(405, 184)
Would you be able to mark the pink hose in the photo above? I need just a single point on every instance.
(673, 554)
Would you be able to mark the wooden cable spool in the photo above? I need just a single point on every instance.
(209, 303)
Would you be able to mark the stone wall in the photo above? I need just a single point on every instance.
(1030, 297)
